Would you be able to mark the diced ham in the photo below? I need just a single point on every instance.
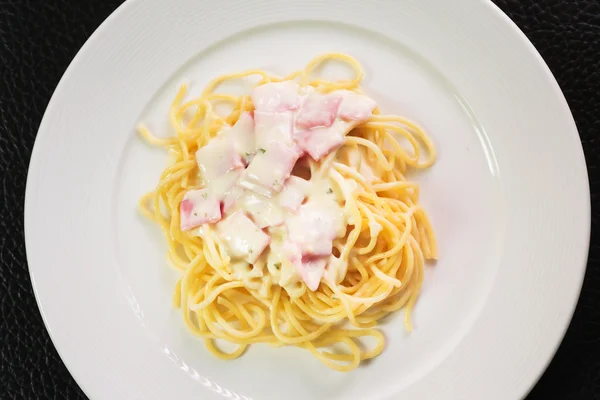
(276, 96)
(269, 169)
(318, 110)
(219, 187)
(243, 238)
(310, 268)
(293, 193)
(322, 133)
(273, 127)
(315, 226)
(242, 135)
(263, 211)
(319, 142)
(198, 207)
(355, 107)
(291, 251)
(232, 197)
(218, 157)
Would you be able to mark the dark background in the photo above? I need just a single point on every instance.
(40, 38)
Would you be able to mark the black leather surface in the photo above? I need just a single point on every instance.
(38, 40)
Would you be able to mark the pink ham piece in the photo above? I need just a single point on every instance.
(262, 211)
(198, 207)
(228, 150)
(242, 136)
(231, 198)
(355, 107)
(319, 142)
(293, 193)
(318, 110)
(276, 96)
(312, 271)
(319, 133)
(273, 127)
(311, 232)
(314, 227)
(269, 169)
(243, 238)
(218, 157)
(310, 268)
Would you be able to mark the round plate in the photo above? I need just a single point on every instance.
(508, 199)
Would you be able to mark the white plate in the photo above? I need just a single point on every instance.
(508, 199)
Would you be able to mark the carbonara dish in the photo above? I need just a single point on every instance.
(289, 217)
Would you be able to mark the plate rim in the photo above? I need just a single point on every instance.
(588, 225)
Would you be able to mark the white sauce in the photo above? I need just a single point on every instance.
(270, 219)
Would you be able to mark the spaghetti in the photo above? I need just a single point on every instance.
(379, 259)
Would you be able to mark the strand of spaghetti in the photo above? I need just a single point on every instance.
(396, 238)
(325, 308)
(298, 313)
(237, 333)
(372, 238)
(368, 332)
(144, 132)
(248, 316)
(424, 243)
(175, 115)
(370, 300)
(222, 260)
(286, 339)
(385, 128)
(176, 299)
(345, 303)
(325, 357)
(315, 62)
(333, 340)
(429, 229)
(344, 169)
(373, 286)
(173, 259)
(234, 310)
(189, 245)
(143, 206)
(364, 276)
(196, 330)
(314, 313)
(210, 345)
(419, 132)
(205, 291)
(292, 319)
(391, 267)
(386, 278)
(174, 230)
(214, 294)
(391, 186)
(216, 261)
(355, 217)
(212, 85)
(419, 281)
(397, 246)
(325, 165)
(373, 147)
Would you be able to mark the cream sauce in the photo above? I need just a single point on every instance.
(268, 217)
